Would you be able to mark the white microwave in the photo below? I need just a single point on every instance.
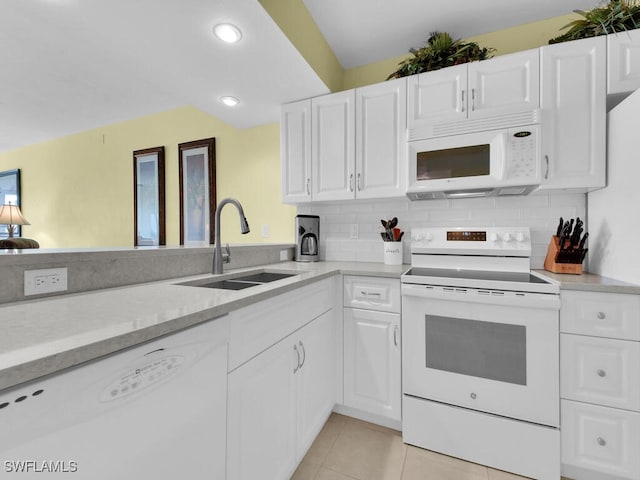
(494, 162)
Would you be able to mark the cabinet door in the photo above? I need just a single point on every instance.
(381, 123)
(505, 84)
(574, 114)
(436, 97)
(261, 416)
(623, 58)
(295, 152)
(333, 151)
(372, 362)
(315, 379)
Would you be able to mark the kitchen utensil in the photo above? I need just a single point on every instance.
(559, 229)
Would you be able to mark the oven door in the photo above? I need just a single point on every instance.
(492, 351)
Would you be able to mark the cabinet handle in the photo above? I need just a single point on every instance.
(463, 100)
(601, 373)
(601, 441)
(359, 185)
(297, 367)
(395, 335)
(473, 99)
(304, 353)
(308, 186)
(601, 315)
(546, 161)
(351, 182)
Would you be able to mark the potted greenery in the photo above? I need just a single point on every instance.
(616, 16)
(441, 51)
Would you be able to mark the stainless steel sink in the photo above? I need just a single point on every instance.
(239, 281)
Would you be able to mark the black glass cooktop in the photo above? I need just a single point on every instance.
(519, 277)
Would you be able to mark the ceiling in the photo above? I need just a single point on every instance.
(68, 66)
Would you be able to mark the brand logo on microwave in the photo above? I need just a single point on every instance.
(524, 133)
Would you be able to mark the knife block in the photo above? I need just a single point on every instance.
(550, 263)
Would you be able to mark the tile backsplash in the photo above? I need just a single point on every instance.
(341, 222)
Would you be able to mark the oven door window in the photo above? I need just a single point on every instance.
(469, 161)
(490, 350)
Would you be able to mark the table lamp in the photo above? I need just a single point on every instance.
(10, 215)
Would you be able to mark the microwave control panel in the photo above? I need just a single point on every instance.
(522, 153)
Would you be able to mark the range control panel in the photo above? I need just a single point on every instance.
(472, 240)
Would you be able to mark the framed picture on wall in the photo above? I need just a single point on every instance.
(10, 194)
(148, 197)
(197, 177)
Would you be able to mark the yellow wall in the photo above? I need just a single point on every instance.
(78, 190)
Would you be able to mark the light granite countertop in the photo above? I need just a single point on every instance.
(43, 336)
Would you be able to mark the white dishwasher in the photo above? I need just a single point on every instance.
(156, 410)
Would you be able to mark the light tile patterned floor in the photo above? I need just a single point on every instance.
(350, 449)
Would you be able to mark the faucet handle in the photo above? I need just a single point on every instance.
(226, 256)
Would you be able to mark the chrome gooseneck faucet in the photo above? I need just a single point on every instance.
(218, 257)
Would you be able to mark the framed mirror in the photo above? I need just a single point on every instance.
(148, 197)
(197, 177)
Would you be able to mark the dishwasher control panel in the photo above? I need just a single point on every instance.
(141, 377)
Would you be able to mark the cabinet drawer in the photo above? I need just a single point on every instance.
(372, 293)
(603, 439)
(600, 370)
(600, 314)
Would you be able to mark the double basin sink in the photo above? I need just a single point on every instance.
(240, 281)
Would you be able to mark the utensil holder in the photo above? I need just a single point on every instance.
(392, 253)
(551, 263)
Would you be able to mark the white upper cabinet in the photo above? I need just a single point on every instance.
(345, 145)
(498, 87)
(295, 151)
(381, 140)
(574, 114)
(623, 54)
(333, 151)
(505, 84)
(437, 96)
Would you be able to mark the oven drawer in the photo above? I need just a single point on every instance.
(610, 315)
(601, 439)
(600, 370)
(372, 293)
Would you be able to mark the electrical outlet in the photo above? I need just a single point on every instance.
(265, 231)
(49, 280)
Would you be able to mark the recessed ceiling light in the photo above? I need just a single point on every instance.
(227, 32)
(229, 101)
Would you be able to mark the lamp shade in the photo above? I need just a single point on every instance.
(11, 215)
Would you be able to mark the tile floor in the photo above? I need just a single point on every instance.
(350, 449)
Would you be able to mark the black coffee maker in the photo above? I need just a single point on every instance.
(307, 236)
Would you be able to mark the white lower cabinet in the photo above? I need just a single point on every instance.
(279, 401)
(372, 362)
(600, 385)
(371, 349)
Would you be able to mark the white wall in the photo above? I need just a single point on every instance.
(614, 218)
(540, 212)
